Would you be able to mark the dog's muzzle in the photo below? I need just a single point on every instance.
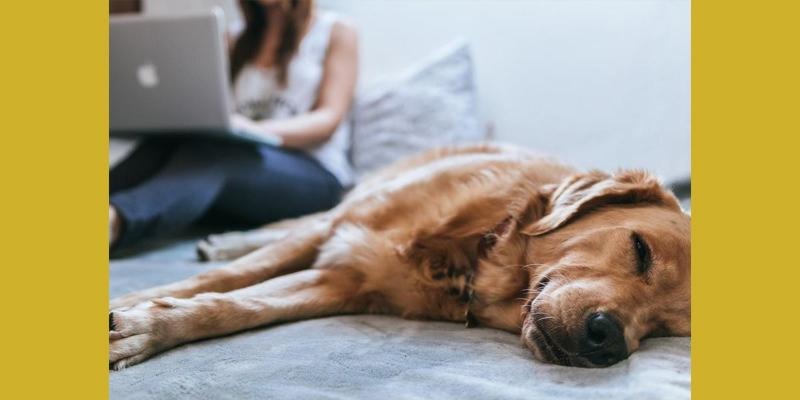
(600, 342)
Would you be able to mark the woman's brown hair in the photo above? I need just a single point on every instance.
(298, 14)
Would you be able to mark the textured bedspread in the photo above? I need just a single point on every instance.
(373, 357)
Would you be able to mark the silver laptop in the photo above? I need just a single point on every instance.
(169, 76)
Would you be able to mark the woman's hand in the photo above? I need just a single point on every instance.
(242, 123)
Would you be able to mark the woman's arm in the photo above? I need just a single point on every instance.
(334, 97)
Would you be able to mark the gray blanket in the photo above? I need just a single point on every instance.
(373, 357)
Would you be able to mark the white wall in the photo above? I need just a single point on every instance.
(600, 83)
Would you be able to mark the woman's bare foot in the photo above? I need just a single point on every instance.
(114, 225)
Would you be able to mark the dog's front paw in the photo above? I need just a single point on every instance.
(137, 333)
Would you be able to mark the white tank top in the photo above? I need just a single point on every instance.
(256, 94)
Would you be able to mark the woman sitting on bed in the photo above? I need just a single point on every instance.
(294, 71)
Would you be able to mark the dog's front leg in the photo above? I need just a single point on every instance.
(294, 252)
(148, 328)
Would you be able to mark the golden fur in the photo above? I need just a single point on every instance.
(483, 234)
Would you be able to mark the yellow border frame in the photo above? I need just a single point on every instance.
(54, 159)
(744, 217)
(54, 193)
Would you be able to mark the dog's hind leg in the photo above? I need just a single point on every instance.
(231, 245)
(296, 251)
(148, 328)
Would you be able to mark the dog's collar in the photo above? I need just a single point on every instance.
(469, 317)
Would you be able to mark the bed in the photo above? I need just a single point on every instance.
(371, 356)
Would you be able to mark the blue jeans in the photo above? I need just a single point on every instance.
(168, 184)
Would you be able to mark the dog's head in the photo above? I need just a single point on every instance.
(612, 266)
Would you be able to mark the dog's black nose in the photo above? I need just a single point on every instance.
(604, 343)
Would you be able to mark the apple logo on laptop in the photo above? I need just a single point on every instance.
(148, 75)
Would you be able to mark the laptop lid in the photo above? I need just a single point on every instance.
(168, 73)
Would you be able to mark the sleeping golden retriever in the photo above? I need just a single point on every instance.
(582, 265)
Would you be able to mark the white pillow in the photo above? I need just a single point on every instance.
(432, 104)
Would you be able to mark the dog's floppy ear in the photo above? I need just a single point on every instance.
(582, 192)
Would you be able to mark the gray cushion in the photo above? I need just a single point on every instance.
(432, 104)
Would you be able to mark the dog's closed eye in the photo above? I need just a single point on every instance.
(644, 258)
